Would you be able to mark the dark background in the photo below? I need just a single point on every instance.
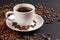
(54, 28)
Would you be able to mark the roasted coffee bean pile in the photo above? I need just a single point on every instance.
(48, 14)
(6, 33)
(24, 27)
(4, 9)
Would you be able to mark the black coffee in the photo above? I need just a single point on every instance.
(24, 9)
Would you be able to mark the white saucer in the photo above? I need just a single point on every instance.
(37, 18)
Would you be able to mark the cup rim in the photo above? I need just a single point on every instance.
(33, 9)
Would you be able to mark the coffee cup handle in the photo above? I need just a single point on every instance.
(8, 14)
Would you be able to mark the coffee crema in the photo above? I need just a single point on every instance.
(24, 9)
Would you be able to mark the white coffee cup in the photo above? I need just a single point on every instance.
(22, 18)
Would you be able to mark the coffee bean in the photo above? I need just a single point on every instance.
(6, 38)
(34, 21)
(48, 17)
(53, 15)
(47, 22)
(14, 23)
(35, 37)
(32, 25)
(44, 16)
(35, 34)
(56, 15)
(52, 20)
(1, 8)
(26, 27)
(49, 34)
(47, 11)
(38, 4)
(52, 9)
(43, 36)
(48, 38)
(58, 20)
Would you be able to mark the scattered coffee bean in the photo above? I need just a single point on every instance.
(35, 34)
(52, 20)
(43, 36)
(47, 22)
(35, 37)
(32, 25)
(49, 34)
(48, 17)
(47, 11)
(58, 20)
(56, 15)
(44, 16)
(53, 15)
(25, 27)
(34, 21)
(52, 9)
(14, 23)
(48, 38)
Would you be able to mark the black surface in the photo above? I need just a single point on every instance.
(46, 28)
